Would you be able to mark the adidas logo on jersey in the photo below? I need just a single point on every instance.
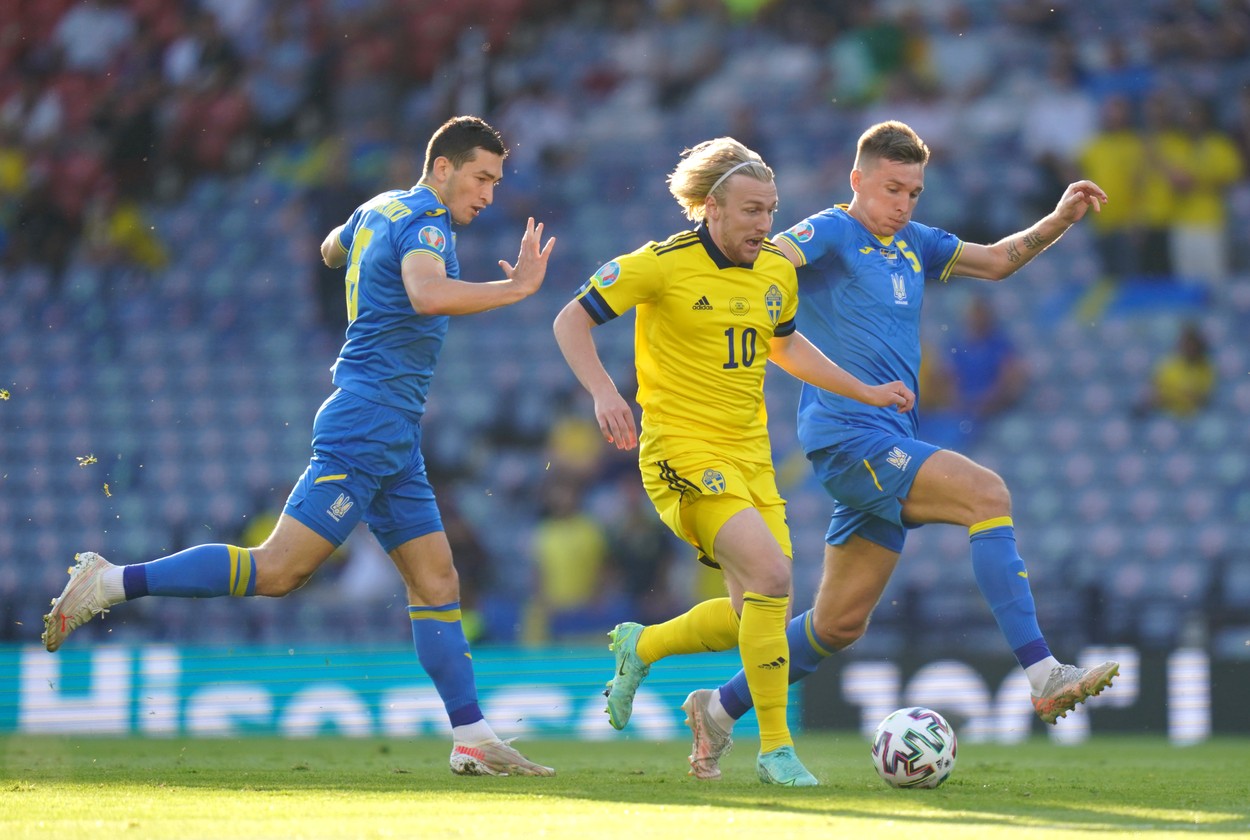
(702, 304)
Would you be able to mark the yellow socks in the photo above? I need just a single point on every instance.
(766, 661)
(709, 625)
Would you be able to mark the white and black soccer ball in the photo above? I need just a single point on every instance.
(914, 748)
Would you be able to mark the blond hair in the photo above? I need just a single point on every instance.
(705, 168)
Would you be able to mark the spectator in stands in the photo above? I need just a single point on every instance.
(989, 374)
(641, 550)
(1183, 381)
(402, 285)
(714, 304)
(1116, 158)
(1206, 164)
(1124, 71)
(92, 33)
(1160, 181)
(570, 554)
(864, 268)
(33, 111)
(1061, 119)
(331, 197)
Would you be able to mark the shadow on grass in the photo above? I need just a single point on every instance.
(1110, 784)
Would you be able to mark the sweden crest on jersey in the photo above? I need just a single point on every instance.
(772, 302)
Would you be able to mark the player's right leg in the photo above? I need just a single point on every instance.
(286, 559)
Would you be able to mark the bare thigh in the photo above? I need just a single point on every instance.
(854, 576)
(751, 558)
(953, 489)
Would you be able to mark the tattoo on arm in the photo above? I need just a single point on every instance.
(1013, 253)
(1033, 240)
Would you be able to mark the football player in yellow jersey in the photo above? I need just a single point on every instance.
(714, 304)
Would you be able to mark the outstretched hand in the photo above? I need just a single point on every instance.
(531, 263)
(892, 393)
(1077, 199)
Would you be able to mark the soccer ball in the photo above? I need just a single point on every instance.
(914, 748)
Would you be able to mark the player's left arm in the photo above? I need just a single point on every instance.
(333, 254)
(1008, 255)
(803, 360)
(432, 292)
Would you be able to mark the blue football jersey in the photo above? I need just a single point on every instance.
(859, 302)
(391, 350)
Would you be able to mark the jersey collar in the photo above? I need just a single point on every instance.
(718, 256)
(421, 185)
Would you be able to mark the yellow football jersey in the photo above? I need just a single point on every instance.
(701, 340)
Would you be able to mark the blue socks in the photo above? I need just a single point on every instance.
(806, 652)
(205, 571)
(1004, 582)
(443, 652)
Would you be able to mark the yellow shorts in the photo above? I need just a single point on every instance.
(696, 493)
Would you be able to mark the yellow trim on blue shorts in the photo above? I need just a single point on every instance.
(873, 473)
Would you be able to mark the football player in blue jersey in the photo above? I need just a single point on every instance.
(402, 284)
(862, 269)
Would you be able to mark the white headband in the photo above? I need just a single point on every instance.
(729, 172)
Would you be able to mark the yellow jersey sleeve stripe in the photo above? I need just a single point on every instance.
(950, 264)
(996, 522)
(338, 477)
(793, 243)
(415, 251)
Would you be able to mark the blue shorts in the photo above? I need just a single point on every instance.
(366, 464)
(868, 474)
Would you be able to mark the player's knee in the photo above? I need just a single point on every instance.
(280, 573)
(772, 580)
(438, 585)
(284, 582)
(839, 631)
(992, 498)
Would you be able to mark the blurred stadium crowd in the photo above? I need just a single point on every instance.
(167, 170)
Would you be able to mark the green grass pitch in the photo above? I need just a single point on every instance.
(1108, 787)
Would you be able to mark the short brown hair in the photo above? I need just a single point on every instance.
(458, 140)
(891, 140)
